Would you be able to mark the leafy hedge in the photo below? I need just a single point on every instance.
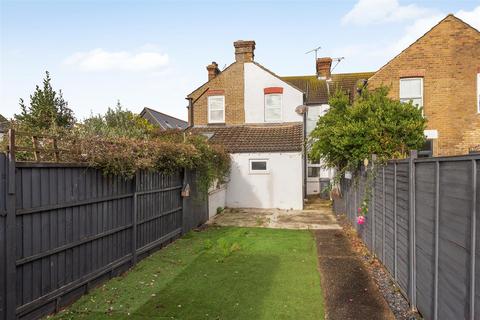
(124, 156)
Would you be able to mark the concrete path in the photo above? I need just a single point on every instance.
(349, 292)
(317, 215)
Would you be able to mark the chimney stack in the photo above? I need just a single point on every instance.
(244, 50)
(213, 70)
(323, 68)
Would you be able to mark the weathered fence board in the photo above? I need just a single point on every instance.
(65, 228)
(434, 258)
(3, 213)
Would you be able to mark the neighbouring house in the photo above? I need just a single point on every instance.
(441, 73)
(252, 112)
(162, 120)
(318, 89)
(262, 121)
(3, 125)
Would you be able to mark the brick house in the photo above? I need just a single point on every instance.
(262, 120)
(252, 112)
(441, 72)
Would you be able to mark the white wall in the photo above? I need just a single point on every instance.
(256, 79)
(216, 199)
(280, 188)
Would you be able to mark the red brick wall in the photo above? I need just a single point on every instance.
(448, 58)
(231, 81)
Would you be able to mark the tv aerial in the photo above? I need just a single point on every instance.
(314, 50)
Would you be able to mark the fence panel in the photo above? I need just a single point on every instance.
(439, 269)
(378, 208)
(402, 225)
(73, 224)
(65, 228)
(3, 213)
(476, 225)
(389, 229)
(195, 204)
(454, 239)
(425, 233)
(159, 208)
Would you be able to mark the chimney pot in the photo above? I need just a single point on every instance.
(213, 70)
(244, 50)
(324, 66)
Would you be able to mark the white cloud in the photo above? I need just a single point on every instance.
(414, 31)
(374, 53)
(422, 25)
(101, 60)
(367, 12)
(470, 17)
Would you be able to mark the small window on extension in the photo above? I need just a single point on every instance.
(258, 166)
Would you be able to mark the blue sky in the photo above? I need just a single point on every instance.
(153, 53)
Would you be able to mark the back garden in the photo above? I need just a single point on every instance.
(218, 273)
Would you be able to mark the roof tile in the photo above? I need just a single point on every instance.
(255, 138)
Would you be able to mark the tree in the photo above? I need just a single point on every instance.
(373, 124)
(117, 122)
(47, 110)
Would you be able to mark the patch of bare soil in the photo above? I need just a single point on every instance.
(396, 301)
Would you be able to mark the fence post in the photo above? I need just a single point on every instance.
(384, 214)
(10, 233)
(374, 172)
(473, 224)
(134, 218)
(355, 204)
(411, 226)
(437, 215)
(395, 220)
(184, 200)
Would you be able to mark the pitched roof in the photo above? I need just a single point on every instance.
(450, 17)
(285, 137)
(3, 123)
(164, 121)
(316, 90)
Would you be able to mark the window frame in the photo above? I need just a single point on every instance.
(411, 98)
(265, 107)
(252, 171)
(210, 120)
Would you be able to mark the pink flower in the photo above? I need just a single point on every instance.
(360, 219)
(359, 210)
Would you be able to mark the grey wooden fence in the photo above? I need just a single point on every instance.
(65, 228)
(423, 224)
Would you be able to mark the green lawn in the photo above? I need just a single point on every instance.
(219, 273)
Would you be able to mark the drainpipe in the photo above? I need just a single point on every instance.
(190, 112)
(302, 110)
(305, 154)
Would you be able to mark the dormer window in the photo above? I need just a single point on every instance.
(216, 109)
(273, 104)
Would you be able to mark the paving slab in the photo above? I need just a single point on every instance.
(317, 215)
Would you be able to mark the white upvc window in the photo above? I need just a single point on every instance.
(273, 107)
(258, 166)
(411, 89)
(216, 109)
(478, 92)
